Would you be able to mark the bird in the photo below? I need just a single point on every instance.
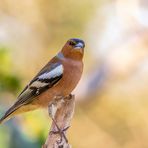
(56, 79)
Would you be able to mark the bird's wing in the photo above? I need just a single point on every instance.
(45, 79)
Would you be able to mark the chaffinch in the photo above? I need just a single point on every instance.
(58, 78)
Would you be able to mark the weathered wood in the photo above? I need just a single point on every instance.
(62, 117)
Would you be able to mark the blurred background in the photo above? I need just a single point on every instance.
(112, 96)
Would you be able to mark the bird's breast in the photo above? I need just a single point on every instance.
(72, 74)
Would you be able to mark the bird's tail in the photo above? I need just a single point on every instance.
(15, 110)
(9, 113)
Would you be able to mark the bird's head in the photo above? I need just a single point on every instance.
(74, 48)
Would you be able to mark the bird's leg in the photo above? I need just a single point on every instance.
(59, 131)
(52, 108)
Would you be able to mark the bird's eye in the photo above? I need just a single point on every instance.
(72, 43)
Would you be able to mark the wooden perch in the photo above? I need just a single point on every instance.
(62, 117)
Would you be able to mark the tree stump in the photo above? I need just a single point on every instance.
(62, 117)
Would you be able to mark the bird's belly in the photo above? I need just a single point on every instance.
(70, 81)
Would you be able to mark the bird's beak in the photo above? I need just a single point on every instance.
(79, 45)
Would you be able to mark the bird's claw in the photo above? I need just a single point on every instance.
(61, 133)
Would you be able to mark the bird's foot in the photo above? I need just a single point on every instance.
(61, 132)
